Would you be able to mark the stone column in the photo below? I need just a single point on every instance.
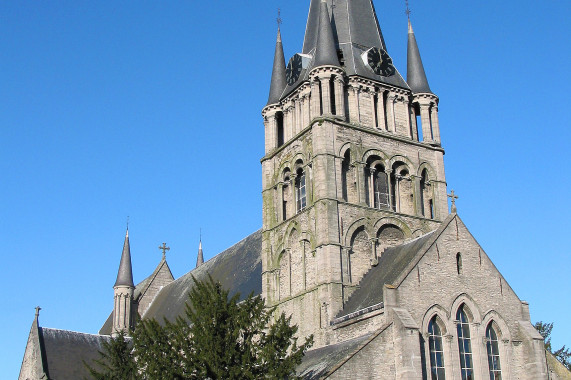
(339, 97)
(307, 109)
(372, 187)
(391, 112)
(389, 185)
(416, 191)
(425, 120)
(346, 262)
(435, 124)
(280, 190)
(294, 193)
(360, 177)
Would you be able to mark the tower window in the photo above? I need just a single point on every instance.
(493, 353)
(464, 345)
(280, 128)
(436, 350)
(380, 188)
(300, 190)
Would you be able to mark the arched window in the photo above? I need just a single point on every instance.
(436, 350)
(493, 353)
(464, 344)
(285, 195)
(300, 194)
(377, 185)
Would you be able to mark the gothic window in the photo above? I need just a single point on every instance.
(280, 128)
(493, 353)
(300, 192)
(464, 344)
(436, 350)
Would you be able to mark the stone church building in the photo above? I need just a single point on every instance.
(357, 242)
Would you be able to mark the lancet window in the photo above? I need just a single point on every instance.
(436, 350)
(300, 190)
(493, 353)
(464, 344)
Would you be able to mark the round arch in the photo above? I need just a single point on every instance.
(361, 222)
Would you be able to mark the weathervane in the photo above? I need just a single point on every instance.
(407, 10)
(164, 248)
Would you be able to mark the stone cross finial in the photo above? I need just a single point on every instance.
(453, 197)
(38, 311)
(164, 248)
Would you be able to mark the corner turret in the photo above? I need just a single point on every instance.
(325, 50)
(123, 290)
(200, 258)
(278, 82)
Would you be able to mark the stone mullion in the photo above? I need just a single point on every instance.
(372, 187)
(325, 96)
(315, 99)
(339, 97)
(435, 123)
(425, 120)
(406, 105)
(381, 122)
(416, 190)
(391, 112)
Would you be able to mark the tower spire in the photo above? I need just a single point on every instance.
(278, 82)
(200, 258)
(325, 50)
(125, 274)
(415, 75)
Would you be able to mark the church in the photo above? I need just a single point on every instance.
(357, 242)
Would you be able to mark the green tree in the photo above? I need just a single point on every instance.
(563, 354)
(219, 337)
(116, 362)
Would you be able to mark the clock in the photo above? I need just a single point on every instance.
(293, 69)
(379, 61)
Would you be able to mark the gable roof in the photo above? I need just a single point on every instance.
(238, 268)
(394, 264)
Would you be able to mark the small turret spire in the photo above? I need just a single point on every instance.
(325, 50)
(125, 274)
(200, 258)
(278, 82)
(415, 76)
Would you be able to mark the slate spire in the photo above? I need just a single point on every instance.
(278, 82)
(200, 258)
(125, 274)
(325, 50)
(415, 75)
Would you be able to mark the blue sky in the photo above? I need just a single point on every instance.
(151, 110)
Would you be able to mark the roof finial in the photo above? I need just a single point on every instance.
(279, 19)
(453, 197)
(407, 10)
(127, 225)
(38, 311)
(164, 249)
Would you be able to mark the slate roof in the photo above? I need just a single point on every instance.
(415, 75)
(355, 29)
(239, 269)
(125, 273)
(278, 81)
(392, 263)
(65, 351)
(321, 361)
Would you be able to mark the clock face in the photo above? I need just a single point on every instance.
(293, 69)
(380, 62)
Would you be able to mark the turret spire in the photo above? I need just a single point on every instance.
(415, 76)
(125, 274)
(325, 50)
(200, 258)
(278, 82)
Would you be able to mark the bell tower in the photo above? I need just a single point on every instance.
(346, 172)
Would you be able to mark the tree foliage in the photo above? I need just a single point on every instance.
(116, 362)
(218, 338)
(563, 354)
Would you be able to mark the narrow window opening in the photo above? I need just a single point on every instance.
(493, 353)
(375, 110)
(344, 175)
(464, 345)
(341, 57)
(431, 205)
(459, 263)
(419, 127)
(430, 121)
(280, 127)
(332, 96)
(300, 190)
(381, 188)
(436, 350)
(320, 98)
(422, 190)
(385, 97)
